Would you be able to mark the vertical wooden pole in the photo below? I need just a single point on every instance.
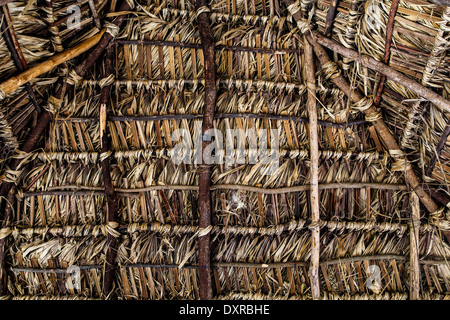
(314, 173)
(204, 170)
(111, 197)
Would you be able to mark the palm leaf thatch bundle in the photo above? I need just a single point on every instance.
(90, 176)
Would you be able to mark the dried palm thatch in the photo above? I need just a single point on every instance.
(88, 177)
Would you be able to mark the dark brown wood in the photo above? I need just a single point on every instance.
(95, 53)
(3, 2)
(387, 49)
(204, 170)
(7, 30)
(330, 18)
(111, 197)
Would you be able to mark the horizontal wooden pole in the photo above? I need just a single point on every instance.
(80, 190)
(216, 116)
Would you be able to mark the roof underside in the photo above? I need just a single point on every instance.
(98, 188)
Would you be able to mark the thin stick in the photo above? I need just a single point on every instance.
(94, 14)
(414, 248)
(314, 150)
(387, 49)
(204, 170)
(216, 116)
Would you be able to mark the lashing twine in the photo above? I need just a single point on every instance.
(73, 78)
(13, 175)
(331, 70)
(202, 9)
(2, 94)
(204, 231)
(5, 232)
(294, 7)
(111, 227)
(441, 219)
(107, 81)
(105, 155)
(363, 106)
(112, 29)
(401, 163)
(53, 104)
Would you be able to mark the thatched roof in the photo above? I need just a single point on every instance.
(358, 90)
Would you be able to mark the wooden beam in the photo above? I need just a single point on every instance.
(314, 150)
(204, 170)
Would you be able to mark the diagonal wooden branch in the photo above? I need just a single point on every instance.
(355, 96)
(391, 73)
(314, 150)
(12, 84)
(7, 30)
(204, 170)
(381, 127)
